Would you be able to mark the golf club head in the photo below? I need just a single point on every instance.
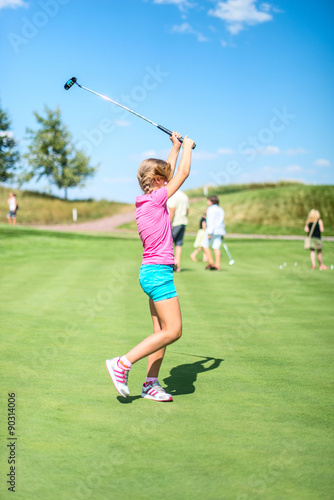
(70, 83)
(231, 262)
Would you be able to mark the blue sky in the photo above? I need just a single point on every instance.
(251, 82)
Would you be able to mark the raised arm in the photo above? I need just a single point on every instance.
(173, 155)
(184, 167)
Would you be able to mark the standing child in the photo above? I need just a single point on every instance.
(156, 273)
(215, 230)
(199, 239)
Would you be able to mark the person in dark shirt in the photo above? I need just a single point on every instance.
(315, 243)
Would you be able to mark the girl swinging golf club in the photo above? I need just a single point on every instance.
(157, 180)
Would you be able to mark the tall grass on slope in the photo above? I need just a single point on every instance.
(281, 209)
(38, 208)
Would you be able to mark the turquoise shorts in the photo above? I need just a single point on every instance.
(157, 281)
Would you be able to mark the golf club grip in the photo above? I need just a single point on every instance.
(170, 133)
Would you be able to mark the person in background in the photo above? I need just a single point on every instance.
(178, 207)
(215, 230)
(199, 238)
(11, 216)
(315, 243)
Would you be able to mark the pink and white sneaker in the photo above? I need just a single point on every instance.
(119, 376)
(153, 390)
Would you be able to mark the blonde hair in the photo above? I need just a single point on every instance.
(313, 216)
(151, 168)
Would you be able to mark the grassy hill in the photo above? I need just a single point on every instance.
(275, 208)
(270, 208)
(279, 208)
(38, 208)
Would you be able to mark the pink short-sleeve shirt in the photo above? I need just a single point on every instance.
(154, 227)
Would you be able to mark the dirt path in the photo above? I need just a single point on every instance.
(106, 224)
(111, 224)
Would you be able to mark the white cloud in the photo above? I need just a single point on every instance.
(289, 169)
(268, 150)
(151, 153)
(203, 156)
(239, 13)
(12, 3)
(322, 162)
(9, 134)
(265, 6)
(208, 155)
(226, 151)
(185, 28)
(275, 150)
(269, 170)
(293, 168)
(122, 123)
(181, 4)
(296, 151)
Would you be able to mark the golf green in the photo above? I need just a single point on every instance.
(251, 377)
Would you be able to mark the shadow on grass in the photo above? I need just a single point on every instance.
(126, 401)
(182, 378)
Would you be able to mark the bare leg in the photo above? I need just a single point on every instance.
(208, 256)
(154, 360)
(195, 253)
(14, 221)
(321, 264)
(169, 315)
(178, 252)
(217, 257)
(9, 220)
(312, 255)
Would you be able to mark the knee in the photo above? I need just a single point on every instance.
(176, 334)
(179, 333)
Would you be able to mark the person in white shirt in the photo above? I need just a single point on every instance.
(215, 230)
(12, 209)
(178, 207)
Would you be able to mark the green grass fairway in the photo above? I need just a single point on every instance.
(252, 416)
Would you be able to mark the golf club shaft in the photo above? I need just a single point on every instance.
(73, 81)
(121, 106)
(226, 250)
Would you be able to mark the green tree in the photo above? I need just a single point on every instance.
(9, 155)
(51, 154)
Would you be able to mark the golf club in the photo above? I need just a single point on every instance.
(73, 81)
(228, 254)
